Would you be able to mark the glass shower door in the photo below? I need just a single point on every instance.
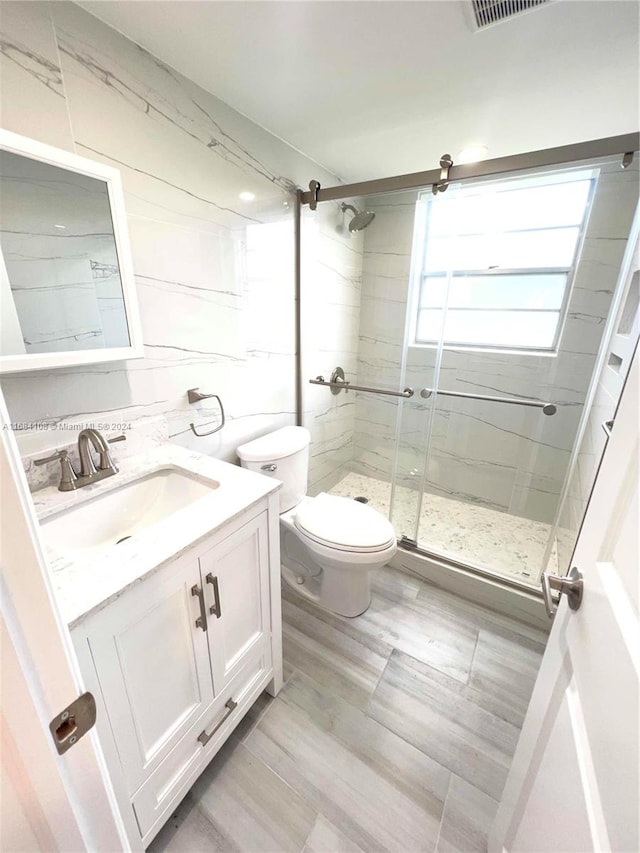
(512, 279)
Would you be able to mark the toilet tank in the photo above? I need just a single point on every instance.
(288, 450)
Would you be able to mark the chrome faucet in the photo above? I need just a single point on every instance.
(69, 480)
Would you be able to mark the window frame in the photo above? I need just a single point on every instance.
(421, 237)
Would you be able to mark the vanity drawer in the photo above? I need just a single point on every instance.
(170, 781)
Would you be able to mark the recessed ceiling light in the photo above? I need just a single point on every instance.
(60, 226)
(472, 154)
(247, 196)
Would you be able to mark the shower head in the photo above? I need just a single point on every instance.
(360, 220)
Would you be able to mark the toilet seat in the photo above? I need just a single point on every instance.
(343, 524)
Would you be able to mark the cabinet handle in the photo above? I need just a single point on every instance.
(215, 609)
(203, 737)
(201, 621)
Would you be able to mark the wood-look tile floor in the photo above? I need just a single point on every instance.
(394, 731)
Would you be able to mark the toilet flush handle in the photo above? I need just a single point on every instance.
(271, 467)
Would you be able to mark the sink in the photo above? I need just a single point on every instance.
(105, 521)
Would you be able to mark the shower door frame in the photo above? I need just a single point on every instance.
(626, 146)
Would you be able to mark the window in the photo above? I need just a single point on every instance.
(498, 260)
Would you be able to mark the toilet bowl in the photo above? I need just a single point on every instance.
(329, 545)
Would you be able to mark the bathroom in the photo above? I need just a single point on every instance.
(210, 200)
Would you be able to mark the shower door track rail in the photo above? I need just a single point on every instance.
(547, 408)
(625, 145)
(411, 546)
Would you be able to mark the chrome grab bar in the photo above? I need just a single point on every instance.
(547, 408)
(337, 381)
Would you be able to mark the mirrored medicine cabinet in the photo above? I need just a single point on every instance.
(67, 291)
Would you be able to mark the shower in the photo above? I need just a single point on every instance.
(360, 220)
(456, 335)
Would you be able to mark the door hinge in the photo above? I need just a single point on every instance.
(75, 721)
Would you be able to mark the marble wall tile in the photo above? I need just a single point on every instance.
(331, 293)
(214, 275)
(32, 90)
(486, 483)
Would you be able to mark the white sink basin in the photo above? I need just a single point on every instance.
(107, 520)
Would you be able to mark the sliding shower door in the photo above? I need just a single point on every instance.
(489, 301)
(510, 286)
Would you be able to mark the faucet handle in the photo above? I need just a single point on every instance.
(113, 440)
(68, 476)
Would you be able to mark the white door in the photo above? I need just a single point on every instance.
(49, 802)
(574, 782)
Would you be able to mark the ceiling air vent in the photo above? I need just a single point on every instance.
(489, 12)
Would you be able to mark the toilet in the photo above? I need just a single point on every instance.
(328, 544)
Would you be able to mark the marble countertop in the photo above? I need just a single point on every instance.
(84, 587)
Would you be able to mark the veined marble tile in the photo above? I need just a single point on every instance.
(614, 202)
(448, 720)
(170, 100)
(33, 93)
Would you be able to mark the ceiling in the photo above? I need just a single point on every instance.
(369, 89)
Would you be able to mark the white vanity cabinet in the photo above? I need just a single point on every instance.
(177, 659)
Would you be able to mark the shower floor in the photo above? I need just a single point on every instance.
(502, 543)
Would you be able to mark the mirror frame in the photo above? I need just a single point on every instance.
(35, 150)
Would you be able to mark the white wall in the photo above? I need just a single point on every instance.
(214, 275)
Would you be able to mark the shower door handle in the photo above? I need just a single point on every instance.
(572, 585)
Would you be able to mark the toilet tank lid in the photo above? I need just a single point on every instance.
(275, 445)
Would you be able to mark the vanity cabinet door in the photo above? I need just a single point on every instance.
(152, 661)
(235, 575)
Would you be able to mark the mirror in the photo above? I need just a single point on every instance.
(67, 294)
